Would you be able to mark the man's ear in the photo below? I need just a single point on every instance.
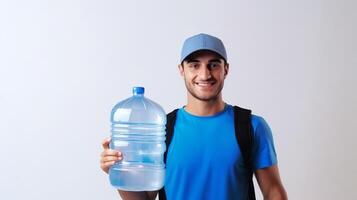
(226, 69)
(180, 67)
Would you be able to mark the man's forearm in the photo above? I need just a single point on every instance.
(278, 193)
(126, 195)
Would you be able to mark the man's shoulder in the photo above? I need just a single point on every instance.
(260, 126)
(257, 119)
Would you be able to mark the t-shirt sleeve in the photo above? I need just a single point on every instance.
(263, 154)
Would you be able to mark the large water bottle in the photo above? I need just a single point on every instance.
(138, 131)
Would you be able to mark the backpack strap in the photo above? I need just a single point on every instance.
(170, 124)
(244, 135)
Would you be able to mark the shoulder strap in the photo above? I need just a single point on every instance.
(244, 135)
(170, 124)
(242, 126)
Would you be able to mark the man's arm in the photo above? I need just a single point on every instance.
(138, 195)
(270, 183)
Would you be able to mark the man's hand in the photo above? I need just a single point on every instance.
(108, 157)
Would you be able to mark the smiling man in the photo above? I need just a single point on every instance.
(209, 156)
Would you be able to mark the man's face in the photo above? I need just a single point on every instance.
(204, 73)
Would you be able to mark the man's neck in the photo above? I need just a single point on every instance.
(204, 108)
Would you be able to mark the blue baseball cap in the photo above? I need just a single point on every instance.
(203, 41)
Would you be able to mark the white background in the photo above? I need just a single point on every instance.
(64, 64)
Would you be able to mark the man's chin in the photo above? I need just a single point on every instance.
(205, 97)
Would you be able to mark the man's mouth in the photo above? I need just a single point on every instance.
(205, 84)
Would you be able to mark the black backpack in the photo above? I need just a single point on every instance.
(244, 135)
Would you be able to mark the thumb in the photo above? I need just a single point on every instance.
(105, 143)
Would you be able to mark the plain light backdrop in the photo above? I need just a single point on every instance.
(64, 64)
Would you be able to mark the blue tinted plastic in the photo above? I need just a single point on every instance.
(138, 131)
(138, 90)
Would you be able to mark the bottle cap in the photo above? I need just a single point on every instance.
(138, 90)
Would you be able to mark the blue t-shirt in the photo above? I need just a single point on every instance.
(204, 160)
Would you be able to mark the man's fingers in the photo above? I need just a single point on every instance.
(111, 158)
(105, 143)
(110, 152)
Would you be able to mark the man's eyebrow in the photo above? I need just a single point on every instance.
(192, 60)
(215, 60)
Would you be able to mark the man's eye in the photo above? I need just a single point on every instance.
(213, 65)
(194, 65)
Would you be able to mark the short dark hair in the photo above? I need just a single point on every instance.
(194, 54)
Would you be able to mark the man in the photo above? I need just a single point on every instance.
(204, 160)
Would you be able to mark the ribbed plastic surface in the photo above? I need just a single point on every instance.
(138, 131)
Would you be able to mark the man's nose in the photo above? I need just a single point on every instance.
(205, 73)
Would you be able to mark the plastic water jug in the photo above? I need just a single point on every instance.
(138, 131)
